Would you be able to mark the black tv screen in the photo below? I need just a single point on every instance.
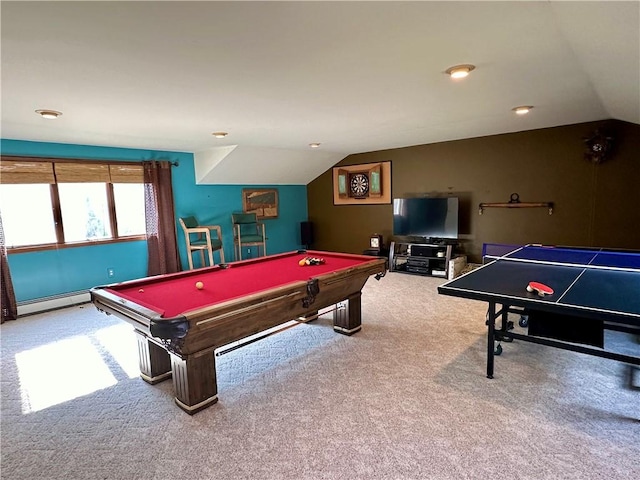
(426, 217)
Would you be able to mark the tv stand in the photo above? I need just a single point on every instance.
(430, 258)
(442, 241)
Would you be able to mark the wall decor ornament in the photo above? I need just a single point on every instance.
(262, 201)
(364, 184)
(598, 147)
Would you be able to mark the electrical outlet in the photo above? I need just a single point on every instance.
(111, 272)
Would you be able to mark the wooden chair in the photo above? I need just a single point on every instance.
(247, 232)
(203, 240)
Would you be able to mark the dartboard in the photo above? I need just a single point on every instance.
(359, 184)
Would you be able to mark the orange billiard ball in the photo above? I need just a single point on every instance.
(199, 285)
(302, 262)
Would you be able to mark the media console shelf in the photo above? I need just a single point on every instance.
(420, 258)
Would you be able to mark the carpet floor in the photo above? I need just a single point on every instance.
(405, 398)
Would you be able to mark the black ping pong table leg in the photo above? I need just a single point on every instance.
(491, 338)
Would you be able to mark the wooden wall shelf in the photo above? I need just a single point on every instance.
(514, 202)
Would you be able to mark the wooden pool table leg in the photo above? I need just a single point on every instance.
(347, 317)
(194, 380)
(155, 364)
(309, 317)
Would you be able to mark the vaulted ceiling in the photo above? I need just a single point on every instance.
(278, 76)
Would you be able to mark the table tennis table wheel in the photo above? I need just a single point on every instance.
(498, 350)
(524, 321)
(501, 338)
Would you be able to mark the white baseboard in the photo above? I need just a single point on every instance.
(52, 303)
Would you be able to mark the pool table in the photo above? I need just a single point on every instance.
(178, 325)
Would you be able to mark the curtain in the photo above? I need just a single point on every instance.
(8, 304)
(162, 242)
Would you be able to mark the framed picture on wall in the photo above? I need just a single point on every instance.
(364, 184)
(262, 201)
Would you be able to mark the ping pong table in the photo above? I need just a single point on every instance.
(590, 286)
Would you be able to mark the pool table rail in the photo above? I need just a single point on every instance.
(243, 317)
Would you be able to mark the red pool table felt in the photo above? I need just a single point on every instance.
(174, 294)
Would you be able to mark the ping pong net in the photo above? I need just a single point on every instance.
(588, 258)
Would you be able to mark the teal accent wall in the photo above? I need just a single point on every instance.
(53, 272)
(213, 205)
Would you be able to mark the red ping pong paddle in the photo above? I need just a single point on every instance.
(540, 288)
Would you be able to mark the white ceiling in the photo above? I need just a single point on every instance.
(354, 76)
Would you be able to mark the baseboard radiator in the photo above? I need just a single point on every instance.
(53, 302)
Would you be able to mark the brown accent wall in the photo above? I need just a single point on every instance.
(595, 204)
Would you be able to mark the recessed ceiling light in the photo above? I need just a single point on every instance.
(460, 71)
(219, 134)
(49, 114)
(522, 110)
(314, 145)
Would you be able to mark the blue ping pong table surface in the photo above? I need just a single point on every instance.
(597, 283)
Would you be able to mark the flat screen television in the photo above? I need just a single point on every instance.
(435, 218)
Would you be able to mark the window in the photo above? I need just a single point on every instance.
(52, 203)
(85, 211)
(27, 215)
(129, 199)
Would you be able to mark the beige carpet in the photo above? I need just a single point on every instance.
(405, 398)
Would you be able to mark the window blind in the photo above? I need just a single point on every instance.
(36, 171)
(24, 171)
(126, 173)
(81, 172)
